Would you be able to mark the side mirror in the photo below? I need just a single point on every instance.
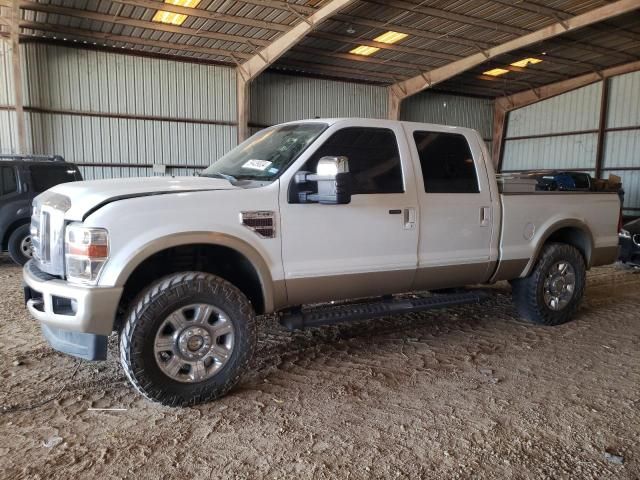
(333, 179)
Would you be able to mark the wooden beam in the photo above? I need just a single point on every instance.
(393, 105)
(16, 63)
(429, 78)
(252, 67)
(602, 125)
(255, 65)
(108, 37)
(201, 13)
(527, 97)
(115, 19)
(497, 142)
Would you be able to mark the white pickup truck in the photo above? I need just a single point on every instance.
(303, 213)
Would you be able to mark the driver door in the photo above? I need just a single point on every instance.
(364, 248)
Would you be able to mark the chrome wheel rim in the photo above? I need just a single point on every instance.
(25, 246)
(194, 342)
(559, 285)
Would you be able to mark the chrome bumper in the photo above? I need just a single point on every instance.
(60, 305)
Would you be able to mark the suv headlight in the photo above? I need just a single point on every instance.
(86, 251)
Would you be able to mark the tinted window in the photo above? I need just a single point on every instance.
(46, 176)
(447, 163)
(374, 160)
(9, 183)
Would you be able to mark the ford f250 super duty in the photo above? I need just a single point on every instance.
(318, 221)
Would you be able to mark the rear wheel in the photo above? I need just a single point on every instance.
(187, 339)
(552, 292)
(20, 245)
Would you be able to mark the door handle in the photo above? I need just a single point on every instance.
(485, 216)
(396, 211)
(409, 218)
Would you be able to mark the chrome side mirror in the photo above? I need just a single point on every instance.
(333, 179)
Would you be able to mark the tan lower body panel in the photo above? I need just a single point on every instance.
(510, 269)
(302, 291)
(448, 276)
(604, 255)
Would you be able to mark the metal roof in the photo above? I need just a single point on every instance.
(439, 32)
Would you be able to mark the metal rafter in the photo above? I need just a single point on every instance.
(148, 25)
(401, 90)
(206, 14)
(255, 65)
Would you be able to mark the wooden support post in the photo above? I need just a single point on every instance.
(499, 122)
(604, 107)
(17, 76)
(242, 95)
(393, 112)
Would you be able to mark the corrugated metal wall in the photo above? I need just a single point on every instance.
(434, 107)
(529, 146)
(107, 108)
(8, 137)
(562, 133)
(277, 98)
(622, 140)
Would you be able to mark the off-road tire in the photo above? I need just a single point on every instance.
(146, 316)
(527, 292)
(15, 244)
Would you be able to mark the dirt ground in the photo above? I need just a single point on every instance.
(460, 393)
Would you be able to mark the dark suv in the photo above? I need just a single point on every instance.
(22, 177)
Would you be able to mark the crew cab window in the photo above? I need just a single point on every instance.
(44, 177)
(447, 163)
(8, 182)
(374, 159)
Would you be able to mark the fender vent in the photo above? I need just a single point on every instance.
(262, 222)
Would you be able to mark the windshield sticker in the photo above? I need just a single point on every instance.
(261, 165)
(273, 170)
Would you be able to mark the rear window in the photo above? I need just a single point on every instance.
(44, 177)
(447, 163)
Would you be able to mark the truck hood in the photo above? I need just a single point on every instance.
(88, 196)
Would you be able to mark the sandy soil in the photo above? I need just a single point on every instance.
(466, 392)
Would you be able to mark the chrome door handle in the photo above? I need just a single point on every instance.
(485, 216)
(409, 218)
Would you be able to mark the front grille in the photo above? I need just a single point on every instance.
(47, 231)
(262, 222)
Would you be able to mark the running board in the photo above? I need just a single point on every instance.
(296, 320)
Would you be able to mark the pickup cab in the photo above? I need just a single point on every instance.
(317, 221)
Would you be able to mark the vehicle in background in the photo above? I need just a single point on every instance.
(565, 182)
(630, 243)
(22, 178)
(323, 211)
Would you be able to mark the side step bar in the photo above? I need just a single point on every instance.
(296, 320)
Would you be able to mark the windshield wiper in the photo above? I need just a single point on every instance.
(230, 178)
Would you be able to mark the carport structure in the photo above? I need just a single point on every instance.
(512, 53)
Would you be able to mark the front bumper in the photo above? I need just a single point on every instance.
(73, 317)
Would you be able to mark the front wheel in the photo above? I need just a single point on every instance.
(187, 339)
(552, 292)
(20, 245)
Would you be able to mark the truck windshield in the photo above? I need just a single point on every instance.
(267, 154)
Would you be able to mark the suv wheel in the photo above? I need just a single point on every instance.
(187, 339)
(20, 245)
(551, 293)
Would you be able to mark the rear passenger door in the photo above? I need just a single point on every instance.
(456, 214)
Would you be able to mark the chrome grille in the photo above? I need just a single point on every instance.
(47, 231)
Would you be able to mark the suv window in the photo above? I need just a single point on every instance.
(46, 176)
(8, 183)
(447, 163)
(374, 159)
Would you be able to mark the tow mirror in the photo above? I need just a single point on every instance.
(333, 179)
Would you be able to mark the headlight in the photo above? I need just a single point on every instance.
(624, 234)
(86, 251)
